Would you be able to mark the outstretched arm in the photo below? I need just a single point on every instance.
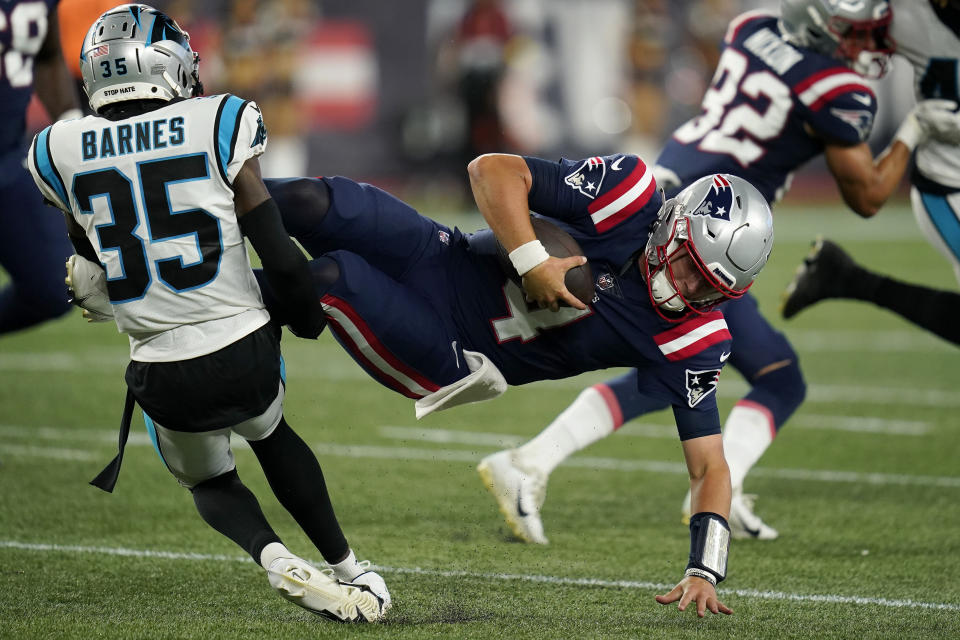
(709, 532)
(501, 184)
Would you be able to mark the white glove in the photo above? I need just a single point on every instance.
(87, 283)
(939, 119)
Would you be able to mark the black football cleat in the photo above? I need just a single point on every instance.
(821, 275)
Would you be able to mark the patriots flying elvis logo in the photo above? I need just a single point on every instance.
(700, 384)
(588, 177)
(718, 201)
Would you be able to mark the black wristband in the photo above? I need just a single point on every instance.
(709, 546)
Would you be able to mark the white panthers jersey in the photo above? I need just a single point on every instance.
(933, 49)
(153, 193)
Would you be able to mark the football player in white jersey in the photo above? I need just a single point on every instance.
(159, 189)
(927, 33)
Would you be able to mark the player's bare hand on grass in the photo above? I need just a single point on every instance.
(544, 284)
(698, 590)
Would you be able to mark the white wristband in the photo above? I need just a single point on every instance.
(527, 256)
(71, 114)
(910, 132)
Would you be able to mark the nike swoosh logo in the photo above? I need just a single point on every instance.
(754, 533)
(520, 511)
(724, 356)
(862, 99)
(615, 166)
(456, 356)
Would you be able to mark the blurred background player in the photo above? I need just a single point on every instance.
(926, 34)
(33, 244)
(784, 91)
(430, 313)
(204, 355)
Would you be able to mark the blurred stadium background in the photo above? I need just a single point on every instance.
(404, 94)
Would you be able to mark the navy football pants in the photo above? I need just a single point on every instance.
(33, 250)
(388, 302)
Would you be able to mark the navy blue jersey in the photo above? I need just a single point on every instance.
(769, 108)
(608, 205)
(23, 28)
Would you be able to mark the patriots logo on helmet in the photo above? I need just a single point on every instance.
(588, 177)
(700, 384)
(861, 120)
(718, 201)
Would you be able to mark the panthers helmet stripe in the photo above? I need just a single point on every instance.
(624, 200)
(364, 345)
(693, 336)
(819, 88)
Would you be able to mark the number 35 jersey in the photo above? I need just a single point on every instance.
(769, 108)
(153, 194)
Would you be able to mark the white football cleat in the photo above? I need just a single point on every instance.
(744, 523)
(317, 591)
(520, 494)
(371, 580)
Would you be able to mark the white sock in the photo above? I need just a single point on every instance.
(590, 418)
(748, 432)
(273, 551)
(348, 568)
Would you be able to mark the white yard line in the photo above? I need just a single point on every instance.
(758, 594)
(456, 455)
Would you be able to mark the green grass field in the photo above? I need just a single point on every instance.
(863, 485)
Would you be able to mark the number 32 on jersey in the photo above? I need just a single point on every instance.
(736, 130)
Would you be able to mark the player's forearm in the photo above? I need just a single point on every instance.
(709, 475)
(501, 184)
(54, 87)
(888, 170)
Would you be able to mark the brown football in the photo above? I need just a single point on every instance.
(559, 244)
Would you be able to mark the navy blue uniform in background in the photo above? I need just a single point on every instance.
(770, 108)
(33, 244)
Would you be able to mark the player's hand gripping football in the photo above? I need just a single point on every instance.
(544, 284)
(698, 590)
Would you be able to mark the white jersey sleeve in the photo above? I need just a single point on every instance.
(239, 135)
(45, 175)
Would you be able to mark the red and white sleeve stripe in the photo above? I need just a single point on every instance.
(741, 20)
(693, 336)
(624, 200)
(821, 87)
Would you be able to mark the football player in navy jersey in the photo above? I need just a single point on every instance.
(430, 312)
(33, 244)
(786, 89)
(927, 33)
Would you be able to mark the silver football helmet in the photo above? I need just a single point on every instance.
(724, 224)
(854, 31)
(134, 52)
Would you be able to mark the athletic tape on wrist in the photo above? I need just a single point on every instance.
(709, 546)
(910, 132)
(700, 573)
(527, 256)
